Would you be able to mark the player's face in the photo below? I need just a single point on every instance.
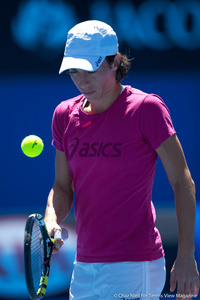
(95, 86)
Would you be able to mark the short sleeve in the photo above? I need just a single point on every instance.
(156, 123)
(58, 127)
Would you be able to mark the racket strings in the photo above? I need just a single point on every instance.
(37, 255)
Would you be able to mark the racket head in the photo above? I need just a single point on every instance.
(38, 247)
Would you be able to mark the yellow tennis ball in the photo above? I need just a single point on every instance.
(32, 146)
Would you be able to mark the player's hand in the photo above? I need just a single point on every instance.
(58, 245)
(60, 241)
(52, 227)
(185, 276)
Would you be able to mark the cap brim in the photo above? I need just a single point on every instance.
(90, 64)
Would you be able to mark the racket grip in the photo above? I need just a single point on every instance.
(59, 235)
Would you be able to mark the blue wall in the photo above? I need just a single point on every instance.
(27, 105)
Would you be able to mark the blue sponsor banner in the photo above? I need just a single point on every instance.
(159, 34)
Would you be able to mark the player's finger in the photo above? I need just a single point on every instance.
(172, 281)
(192, 290)
(196, 286)
(58, 245)
(180, 291)
(188, 290)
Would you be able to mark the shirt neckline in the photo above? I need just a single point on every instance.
(105, 111)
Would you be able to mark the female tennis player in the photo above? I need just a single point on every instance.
(107, 143)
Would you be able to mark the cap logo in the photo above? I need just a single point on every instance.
(98, 61)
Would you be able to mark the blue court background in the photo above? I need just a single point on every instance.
(27, 106)
(167, 62)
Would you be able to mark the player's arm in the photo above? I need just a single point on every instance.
(184, 273)
(60, 198)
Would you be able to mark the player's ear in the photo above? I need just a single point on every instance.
(117, 60)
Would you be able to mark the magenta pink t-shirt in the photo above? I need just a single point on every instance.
(112, 161)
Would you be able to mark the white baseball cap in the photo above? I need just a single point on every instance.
(88, 43)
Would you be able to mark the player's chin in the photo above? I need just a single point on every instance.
(57, 246)
(91, 95)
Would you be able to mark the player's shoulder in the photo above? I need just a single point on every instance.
(144, 100)
(132, 92)
(69, 104)
(148, 97)
(137, 92)
(153, 101)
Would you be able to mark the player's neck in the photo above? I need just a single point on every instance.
(97, 107)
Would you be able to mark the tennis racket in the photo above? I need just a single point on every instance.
(38, 247)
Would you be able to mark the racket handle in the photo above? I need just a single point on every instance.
(58, 235)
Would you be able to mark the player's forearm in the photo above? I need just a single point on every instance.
(58, 205)
(184, 192)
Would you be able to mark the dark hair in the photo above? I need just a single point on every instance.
(123, 68)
